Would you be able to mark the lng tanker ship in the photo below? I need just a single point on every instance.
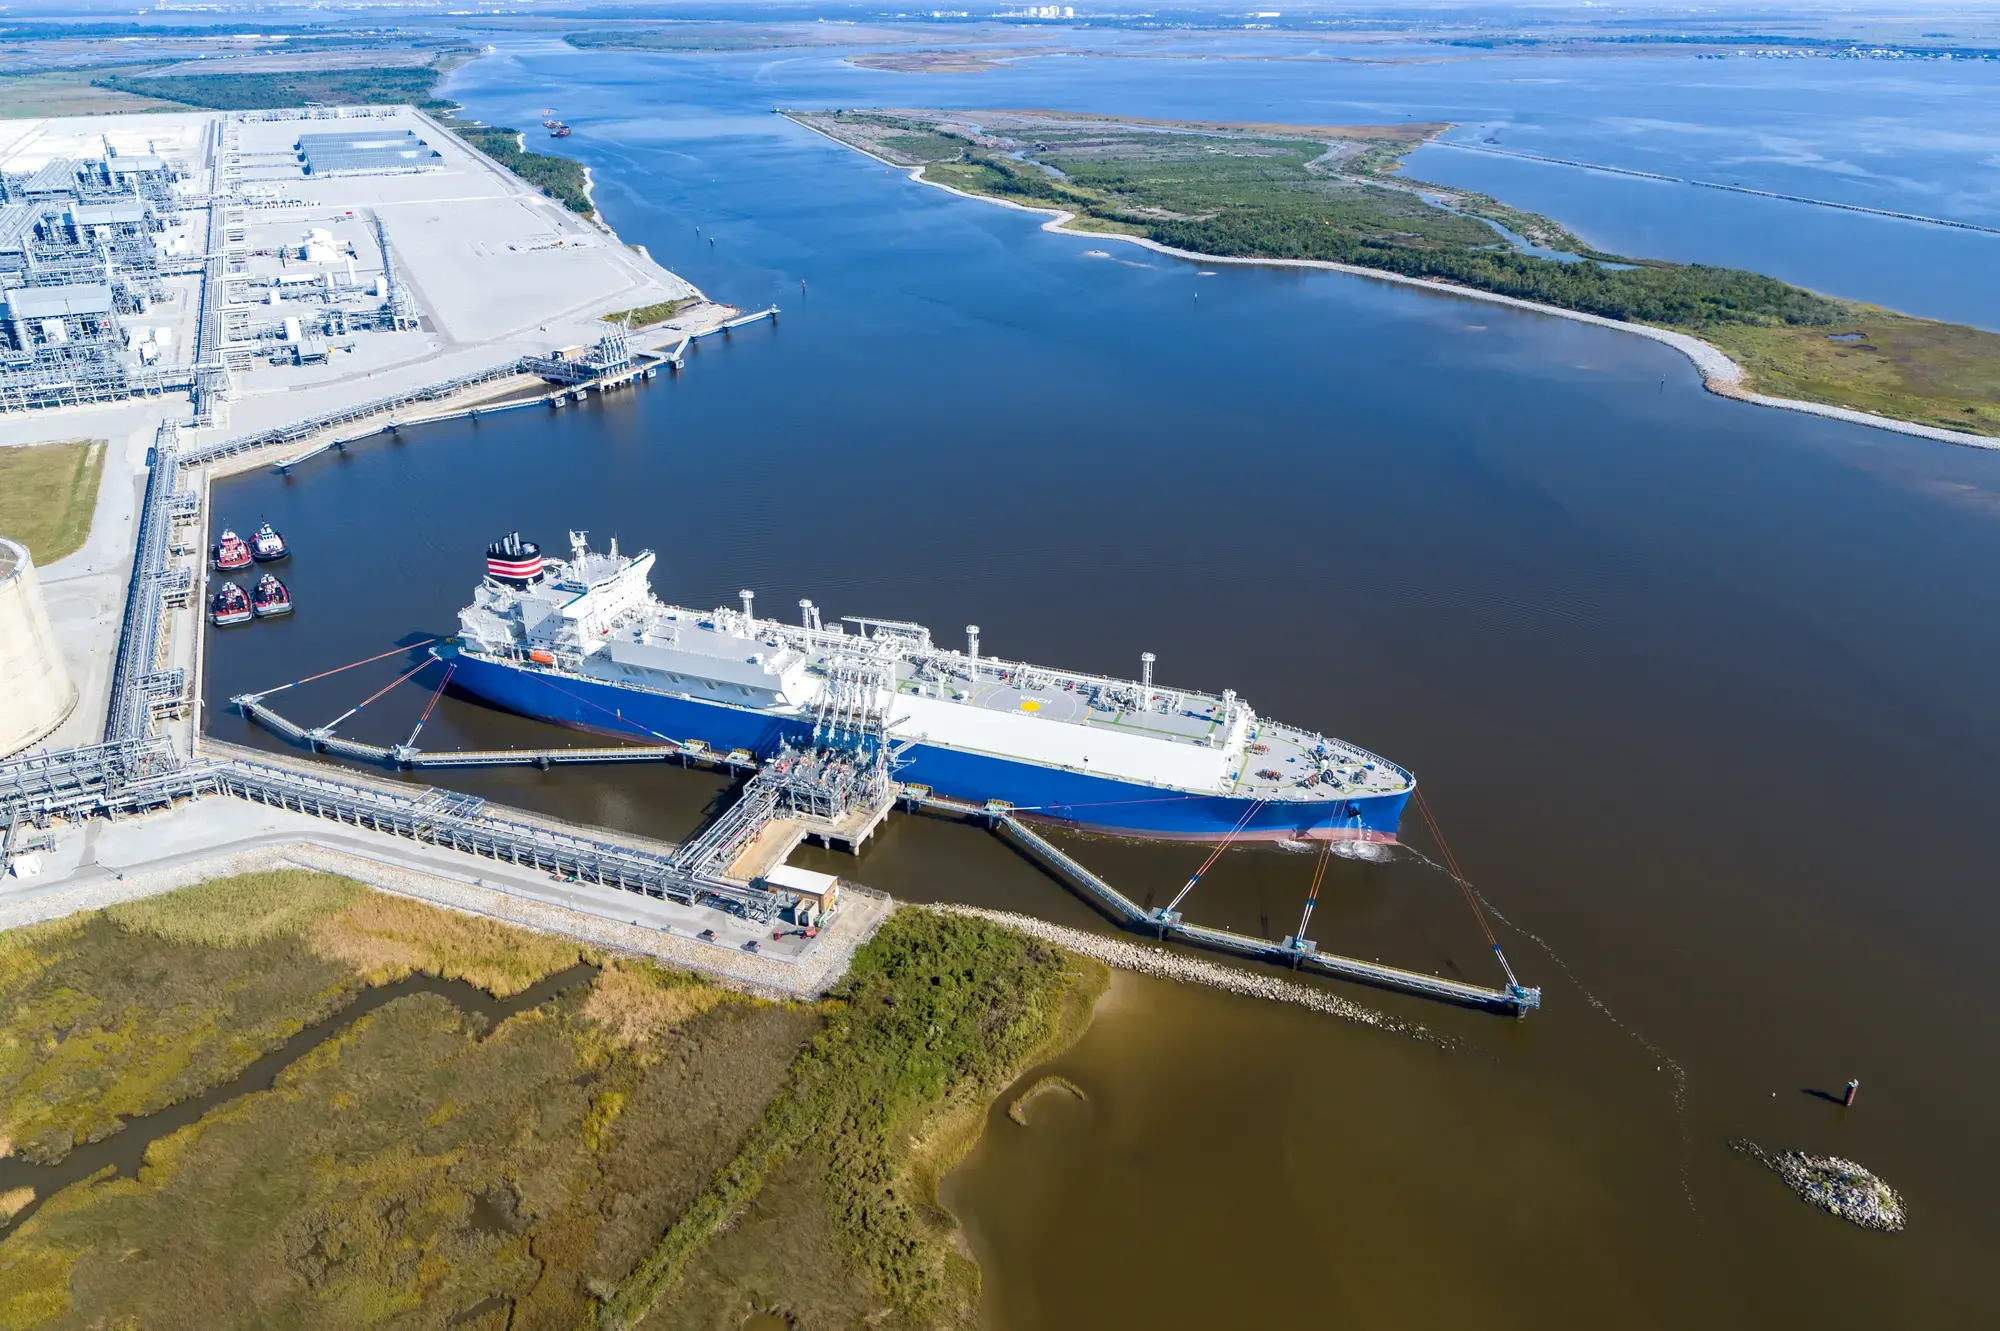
(584, 643)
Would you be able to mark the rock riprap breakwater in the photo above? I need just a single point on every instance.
(1164, 964)
(1834, 1184)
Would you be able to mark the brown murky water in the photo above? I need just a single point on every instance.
(1703, 694)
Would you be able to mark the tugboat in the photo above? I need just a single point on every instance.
(559, 130)
(230, 606)
(231, 552)
(266, 546)
(271, 598)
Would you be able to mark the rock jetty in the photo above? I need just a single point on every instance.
(1165, 964)
(1834, 1184)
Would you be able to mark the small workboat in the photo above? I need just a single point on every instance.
(559, 130)
(231, 552)
(266, 546)
(271, 598)
(231, 606)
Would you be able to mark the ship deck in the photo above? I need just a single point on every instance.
(793, 664)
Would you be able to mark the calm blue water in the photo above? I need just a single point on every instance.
(1702, 692)
(1881, 135)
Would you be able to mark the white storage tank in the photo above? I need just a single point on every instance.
(36, 692)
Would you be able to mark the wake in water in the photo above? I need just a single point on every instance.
(1665, 1061)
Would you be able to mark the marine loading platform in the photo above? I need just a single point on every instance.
(839, 790)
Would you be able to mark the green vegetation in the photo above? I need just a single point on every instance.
(1332, 194)
(423, 1167)
(558, 177)
(48, 493)
(418, 1166)
(937, 1014)
(647, 315)
(389, 85)
(1914, 369)
(67, 92)
(1053, 1084)
(108, 1023)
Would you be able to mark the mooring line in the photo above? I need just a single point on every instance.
(398, 651)
(1666, 1060)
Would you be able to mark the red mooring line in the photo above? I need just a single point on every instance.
(378, 693)
(350, 665)
(1216, 854)
(1471, 897)
(432, 703)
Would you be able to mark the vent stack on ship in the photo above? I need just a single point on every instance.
(514, 561)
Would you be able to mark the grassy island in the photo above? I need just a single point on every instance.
(1336, 194)
(346, 1108)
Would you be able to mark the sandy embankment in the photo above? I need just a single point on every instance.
(1719, 374)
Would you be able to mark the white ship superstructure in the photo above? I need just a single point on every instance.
(608, 655)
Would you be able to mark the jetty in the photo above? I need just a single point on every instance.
(1296, 952)
(832, 798)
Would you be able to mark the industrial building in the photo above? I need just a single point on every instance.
(125, 273)
(36, 692)
(366, 152)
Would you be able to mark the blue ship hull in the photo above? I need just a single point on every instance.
(1094, 803)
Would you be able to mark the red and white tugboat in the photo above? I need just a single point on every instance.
(231, 606)
(266, 546)
(271, 598)
(231, 552)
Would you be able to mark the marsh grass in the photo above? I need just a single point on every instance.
(133, 1008)
(420, 1163)
(384, 938)
(238, 912)
(635, 1003)
(1053, 1084)
(936, 1013)
(1913, 369)
(572, 1163)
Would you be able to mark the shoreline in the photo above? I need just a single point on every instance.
(1720, 374)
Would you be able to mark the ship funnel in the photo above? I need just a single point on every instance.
(514, 561)
(749, 599)
(805, 613)
(1146, 660)
(972, 645)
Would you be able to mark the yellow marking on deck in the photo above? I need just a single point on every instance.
(1030, 705)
